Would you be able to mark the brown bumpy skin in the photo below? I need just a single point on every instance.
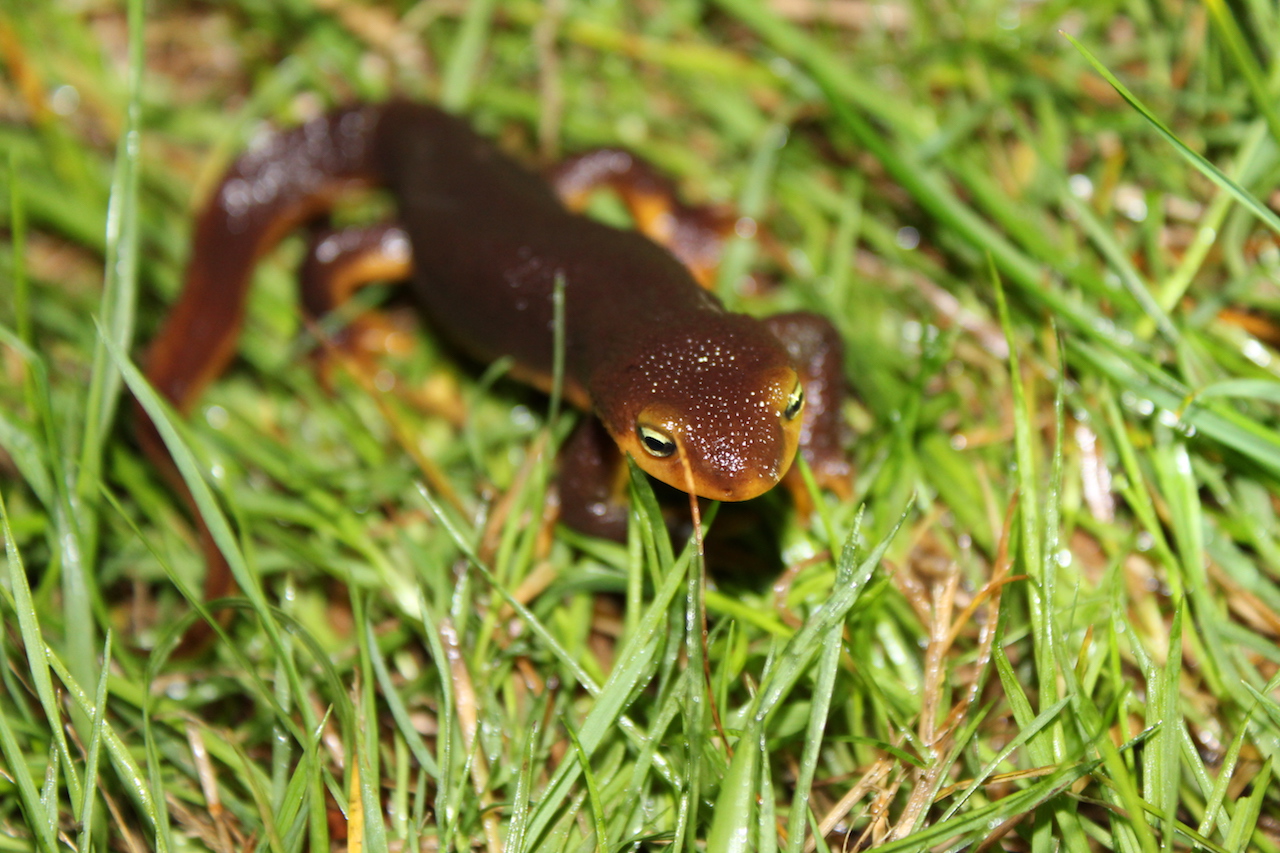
(708, 401)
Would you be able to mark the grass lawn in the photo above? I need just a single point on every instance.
(1047, 620)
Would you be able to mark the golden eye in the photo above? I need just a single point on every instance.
(794, 403)
(655, 442)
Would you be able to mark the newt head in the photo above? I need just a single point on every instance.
(716, 412)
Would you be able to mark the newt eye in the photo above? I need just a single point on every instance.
(794, 403)
(655, 442)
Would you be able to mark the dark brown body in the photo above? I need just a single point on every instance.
(646, 349)
(490, 238)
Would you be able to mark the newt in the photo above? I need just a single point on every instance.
(712, 402)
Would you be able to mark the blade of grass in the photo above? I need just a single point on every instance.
(118, 304)
(1091, 729)
(317, 814)
(65, 535)
(459, 77)
(666, 712)
(447, 809)
(593, 792)
(365, 753)
(544, 634)
(1263, 390)
(974, 826)
(49, 791)
(1033, 529)
(97, 724)
(396, 705)
(819, 709)
(1223, 424)
(28, 457)
(1162, 770)
(1180, 488)
(633, 662)
(374, 838)
(1246, 62)
(732, 822)
(290, 809)
(120, 286)
(766, 829)
(805, 644)
(208, 508)
(901, 160)
(1245, 821)
(1024, 736)
(1210, 171)
(122, 760)
(521, 806)
(168, 643)
(1215, 810)
(739, 252)
(258, 791)
(1249, 156)
(697, 707)
(37, 661)
(1103, 236)
(18, 248)
(611, 697)
(44, 830)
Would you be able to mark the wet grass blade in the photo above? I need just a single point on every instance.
(1210, 171)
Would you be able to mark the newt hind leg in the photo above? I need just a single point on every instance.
(693, 233)
(341, 261)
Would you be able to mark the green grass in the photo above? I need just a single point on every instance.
(1047, 621)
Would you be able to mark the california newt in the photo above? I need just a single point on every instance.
(709, 401)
